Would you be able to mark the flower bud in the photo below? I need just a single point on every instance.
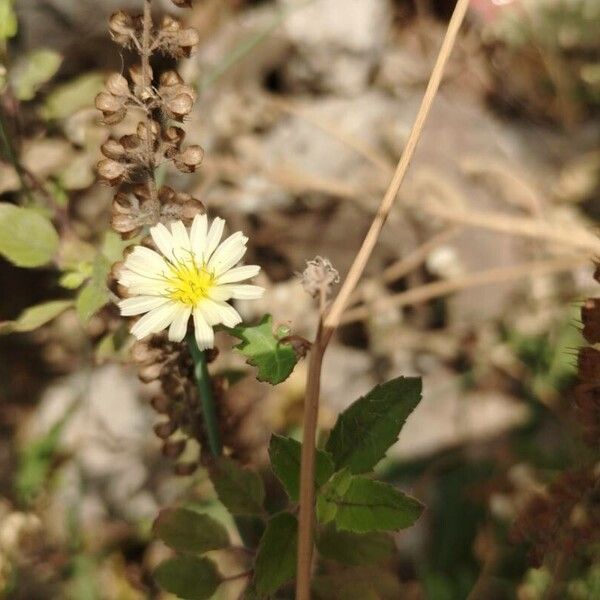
(117, 84)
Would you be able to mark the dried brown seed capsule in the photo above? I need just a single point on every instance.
(113, 149)
(170, 78)
(117, 84)
(182, 3)
(186, 468)
(165, 429)
(166, 194)
(189, 159)
(122, 27)
(161, 404)
(111, 171)
(173, 136)
(187, 40)
(108, 103)
(179, 107)
(150, 372)
(170, 25)
(143, 354)
(173, 449)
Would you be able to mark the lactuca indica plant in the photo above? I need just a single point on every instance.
(177, 284)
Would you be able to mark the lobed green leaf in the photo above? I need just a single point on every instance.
(368, 427)
(285, 459)
(275, 360)
(188, 577)
(186, 530)
(276, 558)
(360, 504)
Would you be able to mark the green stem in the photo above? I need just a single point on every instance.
(207, 401)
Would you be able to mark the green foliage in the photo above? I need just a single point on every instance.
(367, 428)
(275, 360)
(357, 503)
(355, 548)
(189, 531)
(35, 316)
(188, 577)
(358, 583)
(27, 239)
(36, 460)
(32, 71)
(276, 558)
(72, 96)
(8, 20)
(239, 489)
(94, 295)
(285, 460)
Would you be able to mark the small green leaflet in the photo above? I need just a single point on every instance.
(188, 577)
(276, 557)
(285, 460)
(368, 427)
(239, 489)
(355, 548)
(360, 504)
(275, 360)
(33, 70)
(186, 530)
(27, 238)
(35, 316)
(8, 20)
(94, 294)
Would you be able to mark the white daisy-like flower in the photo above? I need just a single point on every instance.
(192, 275)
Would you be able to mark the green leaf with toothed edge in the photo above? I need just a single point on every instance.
(188, 577)
(274, 359)
(368, 427)
(276, 556)
(186, 530)
(285, 459)
(359, 504)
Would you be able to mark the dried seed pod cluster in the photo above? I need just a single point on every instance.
(132, 159)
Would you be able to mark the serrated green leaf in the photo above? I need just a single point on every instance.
(285, 459)
(34, 69)
(368, 427)
(35, 316)
(274, 360)
(27, 239)
(186, 530)
(355, 548)
(188, 577)
(240, 489)
(94, 295)
(276, 557)
(72, 96)
(359, 504)
(8, 20)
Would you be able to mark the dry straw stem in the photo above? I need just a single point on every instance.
(332, 318)
(443, 288)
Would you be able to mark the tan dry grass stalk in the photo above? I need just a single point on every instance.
(331, 320)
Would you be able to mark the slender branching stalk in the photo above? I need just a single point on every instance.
(332, 319)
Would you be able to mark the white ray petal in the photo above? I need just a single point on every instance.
(238, 274)
(205, 336)
(228, 315)
(219, 293)
(198, 236)
(181, 241)
(210, 311)
(215, 233)
(140, 304)
(153, 260)
(245, 292)
(178, 327)
(163, 240)
(156, 320)
(228, 254)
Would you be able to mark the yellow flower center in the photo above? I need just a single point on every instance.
(188, 283)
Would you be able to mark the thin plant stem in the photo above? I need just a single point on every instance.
(147, 85)
(207, 401)
(332, 318)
